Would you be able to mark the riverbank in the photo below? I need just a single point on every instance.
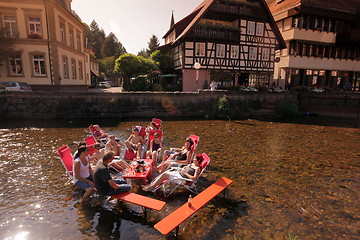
(200, 104)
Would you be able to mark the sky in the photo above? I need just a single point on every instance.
(134, 21)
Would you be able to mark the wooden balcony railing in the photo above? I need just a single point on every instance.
(215, 34)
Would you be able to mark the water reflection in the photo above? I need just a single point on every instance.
(293, 178)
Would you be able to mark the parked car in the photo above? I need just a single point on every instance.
(16, 86)
(104, 85)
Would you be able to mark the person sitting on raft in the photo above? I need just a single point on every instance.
(83, 173)
(155, 144)
(190, 171)
(104, 183)
(99, 133)
(113, 145)
(135, 142)
(182, 157)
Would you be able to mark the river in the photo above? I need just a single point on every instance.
(290, 179)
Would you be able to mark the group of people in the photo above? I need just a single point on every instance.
(87, 177)
(93, 171)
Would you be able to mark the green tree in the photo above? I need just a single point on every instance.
(143, 53)
(107, 65)
(164, 62)
(97, 38)
(129, 65)
(153, 45)
(112, 47)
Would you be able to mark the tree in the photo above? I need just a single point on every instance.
(97, 38)
(153, 45)
(107, 65)
(129, 65)
(143, 53)
(164, 62)
(112, 47)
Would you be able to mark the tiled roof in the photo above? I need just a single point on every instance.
(349, 6)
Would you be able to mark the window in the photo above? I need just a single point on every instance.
(65, 67)
(250, 28)
(259, 29)
(71, 37)
(35, 28)
(9, 22)
(234, 52)
(265, 54)
(200, 49)
(15, 65)
(73, 68)
(62, 33)
(78, 41)
(220, 50)
(39, 65)
(252, 53)
(80, 65)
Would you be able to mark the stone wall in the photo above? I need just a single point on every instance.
(134, 104)
(169, 104)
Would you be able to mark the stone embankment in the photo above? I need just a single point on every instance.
(169, 104)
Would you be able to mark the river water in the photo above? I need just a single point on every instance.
(290, 179)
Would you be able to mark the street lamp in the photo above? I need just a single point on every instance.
(197, 66)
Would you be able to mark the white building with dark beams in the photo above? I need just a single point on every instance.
(234, 41)
(323, 43)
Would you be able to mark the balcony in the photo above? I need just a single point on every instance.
(349, 37)
(234, 11)
(214, 34)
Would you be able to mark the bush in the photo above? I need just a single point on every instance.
(287, 110)
(223, 109)
(156, 87)
(140, 84)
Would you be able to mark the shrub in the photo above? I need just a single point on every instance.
(156, 87)
(140, 84)
(223, 109)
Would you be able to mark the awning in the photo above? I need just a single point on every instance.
(95, 73)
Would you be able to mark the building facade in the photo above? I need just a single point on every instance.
(232, 42)
(323, 43)
(48, 43)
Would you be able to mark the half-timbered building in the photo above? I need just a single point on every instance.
(232, 41)
(323, 43)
